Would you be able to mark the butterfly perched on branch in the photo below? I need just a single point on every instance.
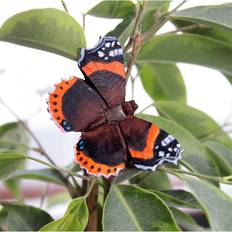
(112, 137)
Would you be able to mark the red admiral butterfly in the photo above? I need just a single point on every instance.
(112, 137)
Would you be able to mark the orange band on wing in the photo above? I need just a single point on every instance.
(55, 99)
(147, 152)
(115, 67)
(95, 168)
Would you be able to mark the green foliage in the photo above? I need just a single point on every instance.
(162, 82)
(131, 208)
(24, 217)
(10, 162)
(197, 49)
(135, 199)
(51, 30)
(212, 200)
(75, 218)
(44, 174)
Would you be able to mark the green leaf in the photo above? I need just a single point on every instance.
(194, 153)
(187, 48)
(131, 208)
(126, 174)
(13, 185)
(217, 17)
(3, 217)
(152, 180)
(151, 9)
(177, 198)
(14, 137)
(162, 82)
(185, 221)
(24, 217)
(223, 156)
(123, 30)
(45, 174)
(216, 204)
(112, 9)
(197, 122)
(74, 219)
(10, 162)
(48, 29)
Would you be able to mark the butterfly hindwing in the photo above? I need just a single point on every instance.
(102, 151)
(149, 145)
(103, 66)
(70, 104)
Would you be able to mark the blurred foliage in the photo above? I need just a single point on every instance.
(135, 199)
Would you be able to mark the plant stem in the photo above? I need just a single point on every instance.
(57, 168)
(162, 20)
(92, 203)
(83, 21)
(68, 185)
(186, 28)
(138, 18)
(183, 163)
(152, 104)
(64, 6)
(44, 194)
(175, 171)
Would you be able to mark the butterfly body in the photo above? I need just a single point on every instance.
(112, 137)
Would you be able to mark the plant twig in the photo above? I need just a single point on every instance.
(162, 20)
(45, 192)
(83, 21)
(152, 104)
(174, 171)
(64, 6)
(42, 151)
(57, 168)
(186, 28)
(30, 132)
(92, 203)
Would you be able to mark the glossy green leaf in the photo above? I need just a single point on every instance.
(131, 208)
(197, 122)
(177, 198)
(217, 17)
(74, 219)
(48, 29)
(194, 152)
(185, 221)
(216, 204)
(152, 180)
(223, 156)
(13, 136)
(10, 162)
(126, 174)
(162, 82)
(123, 30)
(24, 217)
(151, 9)
(45, 174)
(187, 48)
(112, 9)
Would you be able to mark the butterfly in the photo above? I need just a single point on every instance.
(112, 137)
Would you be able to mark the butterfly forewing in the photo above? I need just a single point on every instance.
(103, 66)
(74, 105)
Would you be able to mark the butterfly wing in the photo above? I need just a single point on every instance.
(70, 104)
(103, 67)
(149, 145)
(102, 151)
